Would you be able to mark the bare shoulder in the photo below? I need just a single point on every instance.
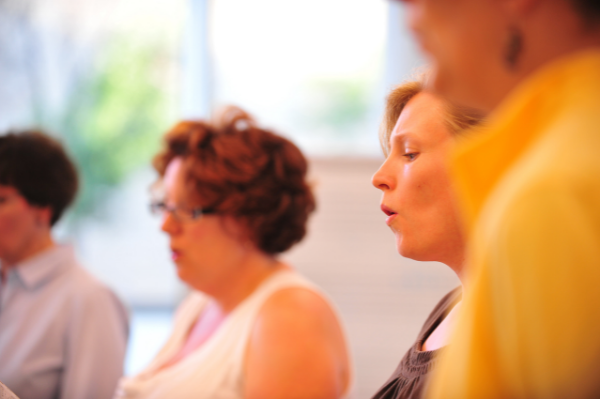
(297, 317)
(298, 307)
(297, 348)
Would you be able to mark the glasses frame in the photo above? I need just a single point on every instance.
(181, 214)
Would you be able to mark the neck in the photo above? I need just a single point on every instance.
(31, 248)
(459, 269)
(254, 268)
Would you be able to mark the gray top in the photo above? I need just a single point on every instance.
(63, 334)
(410, 378)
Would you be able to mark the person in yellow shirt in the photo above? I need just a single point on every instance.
(530, 188)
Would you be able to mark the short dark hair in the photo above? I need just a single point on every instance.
(247, 172)
(589, 10)
(38, 167)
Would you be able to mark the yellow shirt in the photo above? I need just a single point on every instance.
(530, 185)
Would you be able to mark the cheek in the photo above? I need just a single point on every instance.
(444, 37)
(198, 241)
(13, 230)
(455, 59)
(195, 263)
(423, 200)
(416, 189)
(436, 206)
(427, 214)
(466, 49)
(206, 242)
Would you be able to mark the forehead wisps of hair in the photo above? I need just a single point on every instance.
(457, 118)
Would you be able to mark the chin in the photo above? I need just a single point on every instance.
(403, 249)
(408, 254)
(183, 273)
(189, 275)
(408, 251)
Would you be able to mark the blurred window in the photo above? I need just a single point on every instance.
(309, 68)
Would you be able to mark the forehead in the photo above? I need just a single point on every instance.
(176, 186)
(173, 171)
(173, 181)
(422, 118)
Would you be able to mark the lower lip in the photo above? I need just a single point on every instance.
(389, 219)
(175, 255)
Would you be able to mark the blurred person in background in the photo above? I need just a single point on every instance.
(418, 131)
(529, 183)
(63, 334)
(235, 197)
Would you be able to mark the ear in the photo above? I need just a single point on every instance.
(43, 215)
(238, 229)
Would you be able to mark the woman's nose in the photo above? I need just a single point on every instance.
(382, 179)
(169, 224)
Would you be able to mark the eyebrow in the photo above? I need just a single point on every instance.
(401, 138)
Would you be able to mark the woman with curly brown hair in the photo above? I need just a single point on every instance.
(235, 197)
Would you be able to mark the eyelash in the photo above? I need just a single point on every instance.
(411, 156)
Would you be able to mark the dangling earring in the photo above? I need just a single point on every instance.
(514, 46)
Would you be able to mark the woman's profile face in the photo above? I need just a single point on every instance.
(464, 40)
(417, 191)
(206, 250)
(19, 224)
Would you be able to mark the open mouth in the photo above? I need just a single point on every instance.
(388, 211)
(175, 254)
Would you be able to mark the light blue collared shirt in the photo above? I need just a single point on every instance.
(63, 334)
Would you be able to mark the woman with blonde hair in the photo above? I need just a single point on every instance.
(418, 131)
(235, 198)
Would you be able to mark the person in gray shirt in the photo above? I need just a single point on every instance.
(63, 334)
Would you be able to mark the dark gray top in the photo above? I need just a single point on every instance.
(410, 378)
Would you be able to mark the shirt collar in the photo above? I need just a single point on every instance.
(42, 267)
(486, 155)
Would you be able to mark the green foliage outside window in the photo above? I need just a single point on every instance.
(113, 120)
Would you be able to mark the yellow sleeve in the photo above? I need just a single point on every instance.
(530, 323)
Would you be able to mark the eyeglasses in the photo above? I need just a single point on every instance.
(181, 214)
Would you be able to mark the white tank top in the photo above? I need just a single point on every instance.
(213, 370)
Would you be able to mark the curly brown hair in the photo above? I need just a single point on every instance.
(252, 174)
